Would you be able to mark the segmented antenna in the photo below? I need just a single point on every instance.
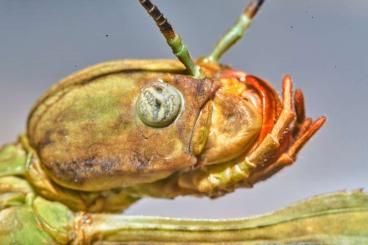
(173, 39)
(236, 32)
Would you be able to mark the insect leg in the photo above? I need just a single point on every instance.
(264, 160)
(266, 149)
(299, 106)
(304, 129)
(289, 157)
(223, 177)
(302, 139)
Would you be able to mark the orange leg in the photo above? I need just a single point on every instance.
(304, 129)
(260, 163)
(289, 157)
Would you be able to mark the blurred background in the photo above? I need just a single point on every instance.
(322, 44)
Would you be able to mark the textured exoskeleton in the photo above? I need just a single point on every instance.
(106, 136)
(232, 129)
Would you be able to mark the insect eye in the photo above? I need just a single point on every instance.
(158, 105)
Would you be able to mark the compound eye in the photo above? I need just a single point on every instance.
(159, 104)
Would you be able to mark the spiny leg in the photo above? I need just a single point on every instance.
(302, 123)
(304, 129)
(264, 152)
(259, 164)
(290, 155)
(222, 177)
(236, 32)
(301, 128)
(299, 106)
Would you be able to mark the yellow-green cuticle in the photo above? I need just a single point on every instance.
(158, 105)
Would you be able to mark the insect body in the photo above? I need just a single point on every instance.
(108, 135)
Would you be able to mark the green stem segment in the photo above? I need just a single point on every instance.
(174, 40)
(236, 32)
(340, 218)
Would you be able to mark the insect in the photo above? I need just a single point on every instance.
(108, 135)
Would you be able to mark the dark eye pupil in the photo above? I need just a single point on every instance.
(158, 89)
(157, 103)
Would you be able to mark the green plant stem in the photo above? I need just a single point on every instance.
(340, 218)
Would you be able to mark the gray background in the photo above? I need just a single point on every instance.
(323, 44)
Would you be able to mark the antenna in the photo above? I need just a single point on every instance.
(173, 39)
(236, 32)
